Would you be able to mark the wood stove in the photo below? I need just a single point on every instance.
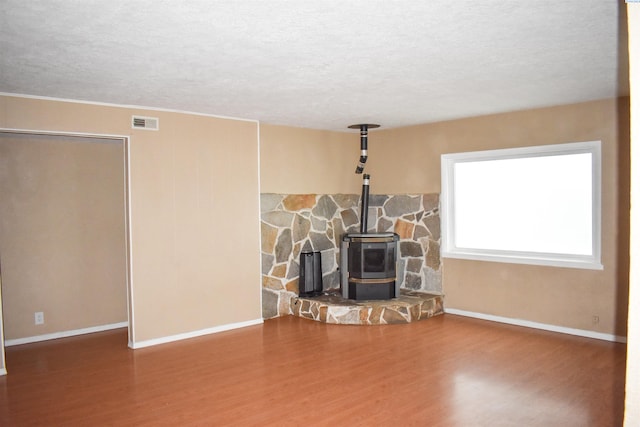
(368, 260)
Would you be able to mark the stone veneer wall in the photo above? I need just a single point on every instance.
(291, 223)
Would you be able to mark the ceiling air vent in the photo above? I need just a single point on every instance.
(148, 123)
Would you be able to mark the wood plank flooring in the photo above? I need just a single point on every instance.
(445, 371)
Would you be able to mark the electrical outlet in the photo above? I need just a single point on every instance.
(596, 320)
(39, 316)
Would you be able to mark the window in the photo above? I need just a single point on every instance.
(533, 205)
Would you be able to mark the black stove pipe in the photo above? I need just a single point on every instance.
(363, 148)
(364, 206)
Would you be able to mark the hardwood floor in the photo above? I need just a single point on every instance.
(445, 371)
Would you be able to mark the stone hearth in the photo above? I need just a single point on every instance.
(330, 307)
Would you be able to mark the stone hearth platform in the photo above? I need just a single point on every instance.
(410, 306)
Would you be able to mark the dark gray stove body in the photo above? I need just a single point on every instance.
(368, 266)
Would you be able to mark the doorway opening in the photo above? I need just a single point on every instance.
(64, 236)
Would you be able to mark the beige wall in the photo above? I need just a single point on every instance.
(185, 177)
(556, 296)
(194, 192)
(303, 161)
(632, 409)
(407, 160)
(62, 235)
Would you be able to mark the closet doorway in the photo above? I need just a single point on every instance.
(63, 235)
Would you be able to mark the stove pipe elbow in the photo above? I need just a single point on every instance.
(363, 160)
(364, 128)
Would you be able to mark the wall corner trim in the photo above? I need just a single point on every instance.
(3, 372)
(194, 334)
(536, 325)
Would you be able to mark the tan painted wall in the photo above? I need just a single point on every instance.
(195, 253)
(62, 235)
(407, 160)
(175, 192)
(632, 409)
(302, 161)
(555, 296)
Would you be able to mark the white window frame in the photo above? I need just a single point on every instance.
(448, 197)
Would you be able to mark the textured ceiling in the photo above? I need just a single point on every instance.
(317, 64)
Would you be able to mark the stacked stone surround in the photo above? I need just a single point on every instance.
(291, 223)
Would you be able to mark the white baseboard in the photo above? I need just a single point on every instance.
(536, 325)
(187, 335)
(65, 334)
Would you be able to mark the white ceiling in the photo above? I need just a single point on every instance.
(317, 64)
